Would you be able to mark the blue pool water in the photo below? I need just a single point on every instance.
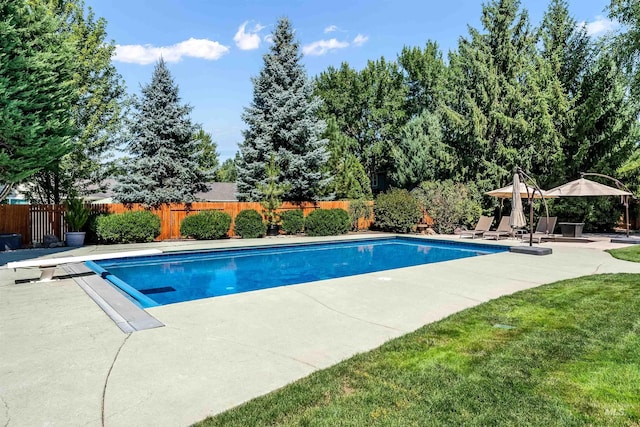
(170, 278)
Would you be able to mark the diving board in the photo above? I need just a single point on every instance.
(48, 265)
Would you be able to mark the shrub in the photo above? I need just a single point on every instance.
(359, 209)
(327, 222)
(249, 224)
(450, 204)
(91, 227)
(396, 211)
(128, 227)
(206, 225)
(292, 221)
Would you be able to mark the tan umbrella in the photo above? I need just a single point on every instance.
(516, 219)
(507, 192)
(585, 187)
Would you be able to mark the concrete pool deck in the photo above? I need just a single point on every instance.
(64, 362)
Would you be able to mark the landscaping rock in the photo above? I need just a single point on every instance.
(50, 241)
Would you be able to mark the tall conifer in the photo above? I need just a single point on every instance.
(282, 121)
(163, 167)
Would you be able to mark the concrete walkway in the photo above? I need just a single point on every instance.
(64, 362)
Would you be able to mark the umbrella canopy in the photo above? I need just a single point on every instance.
(516, 219)
(507, 192)
(585, 187)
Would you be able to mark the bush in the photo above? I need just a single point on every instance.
(249, 224)
(91, 227)
(292, 221)
(327, 222)
(128, 227)
(359, 209)
(450, 204)
(396, 211)
(206, 225)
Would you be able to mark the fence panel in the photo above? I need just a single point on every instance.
(16, 219)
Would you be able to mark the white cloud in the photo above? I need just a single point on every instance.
(268, 38)
(360, 40)
(601, 25)
(146, 54)
(248, 39)
(323, 46)
(331, 29)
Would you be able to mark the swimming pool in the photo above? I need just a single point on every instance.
(176, 277)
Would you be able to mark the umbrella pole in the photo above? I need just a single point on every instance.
(626, 209)
(530, 222)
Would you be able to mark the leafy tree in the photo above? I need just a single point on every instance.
(627, 42)
(164, 165)
(282, 120)
(37, 91)
(425, 76)
(207, 152)
(368, 107)
(97, 114)
(227, 172)
(421, 154)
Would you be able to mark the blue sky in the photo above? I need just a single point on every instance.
(213, 48)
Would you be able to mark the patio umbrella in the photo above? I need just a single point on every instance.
(585, 187)
(516, 219)
(507, 192)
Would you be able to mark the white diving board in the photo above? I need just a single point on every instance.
(49, 265)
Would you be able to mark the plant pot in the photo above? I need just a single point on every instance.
(75, 238)
(10, 241)
(273, 229)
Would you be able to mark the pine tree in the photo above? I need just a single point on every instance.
(164, 165)
(498, 116)
(282, 121)
(421, 154)
(37, 91)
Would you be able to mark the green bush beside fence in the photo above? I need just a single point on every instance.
(327, 222)
(128, 227)
(396, 211)
(249, 224)
(206, 225)
(292, 221)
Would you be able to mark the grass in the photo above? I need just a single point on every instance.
(567, 353)
(630, 253)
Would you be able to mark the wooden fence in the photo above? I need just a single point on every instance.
(36, 221)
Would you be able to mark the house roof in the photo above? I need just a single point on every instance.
(219, 192)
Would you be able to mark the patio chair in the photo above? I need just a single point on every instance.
(543, 229)
(483, 225)
(503, 230)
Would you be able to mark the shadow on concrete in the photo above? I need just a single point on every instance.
(24, 254)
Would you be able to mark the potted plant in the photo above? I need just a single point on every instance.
(76, 217)
(271, 202)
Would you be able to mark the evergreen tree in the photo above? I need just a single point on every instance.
(282, 121)
(98, 113)
(498, 115)
(350, 180)
(37, 91)
(164, 165)
(421, 154)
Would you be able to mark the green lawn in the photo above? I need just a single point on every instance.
(630, 253)
(567, 353)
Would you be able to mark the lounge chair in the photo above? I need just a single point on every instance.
(503, 230)
(483, 225)
(543, 229)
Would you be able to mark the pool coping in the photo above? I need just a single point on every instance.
(115, 298)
